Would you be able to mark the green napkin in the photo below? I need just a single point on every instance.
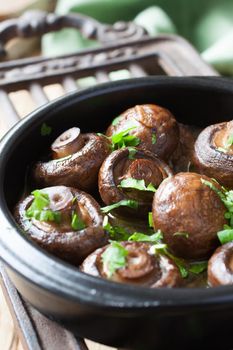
(207, 24)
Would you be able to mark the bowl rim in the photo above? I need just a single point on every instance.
(52, 274)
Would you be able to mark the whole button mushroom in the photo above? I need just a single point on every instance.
(189, 213)
(154, 126)
(64, 221)
(220, 266)
(138, 265)
(76, 163)
(214, 152)
(130, 174)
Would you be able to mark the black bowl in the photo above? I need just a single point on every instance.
(110, 313)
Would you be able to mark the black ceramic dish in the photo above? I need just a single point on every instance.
(119, 315)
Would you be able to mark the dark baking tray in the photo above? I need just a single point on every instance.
(110, 313)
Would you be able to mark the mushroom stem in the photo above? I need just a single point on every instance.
(67, 143)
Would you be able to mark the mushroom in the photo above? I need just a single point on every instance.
(220, 266)
(189, 213)
(131, 164)
(155, 127)
(182, 157)
(142, 266)
(214, 152)
(64, 221)
(77, 159)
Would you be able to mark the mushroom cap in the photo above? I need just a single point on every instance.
(220, 266)
(61, 239)
(143, 267)
(155, 126)
(183, 204)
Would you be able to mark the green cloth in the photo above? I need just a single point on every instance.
(207, 24)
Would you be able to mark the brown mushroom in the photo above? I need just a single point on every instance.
(121, 165)
(78, 158)
(214, 152)
(142, 267)
(220, 266)
(64, 238)
(155, 127)
(189, 213)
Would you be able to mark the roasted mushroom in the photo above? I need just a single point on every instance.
(64, 221)
(130, 174)
(214, 153)
(77, 159)
(189, 213)
(220, 266)
(138, 264)
(154, 126)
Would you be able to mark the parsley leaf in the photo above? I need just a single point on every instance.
(116, 120)
(225, 236)
(76, 223)
(141, 237)
(132, 152)
(123, 203)
(136, 184)
(123, 139)
(150, 219)
(39, 208)
(45, 130)
(153, 139)
(114, 258)
(118, 233)
(198, 267)
(229, 141)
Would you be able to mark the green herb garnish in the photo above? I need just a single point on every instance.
(198, 267)
(141, 237)
(153, 138)
(123, 203)
(132, 152)
(114, 258)
(116, 120)
(182, 234)
(76, 223)
(137, 185)
(150, 219)
(39, 208)
(229, 141)
(225, 236)
(45, 130)
(118, 233)
(123, 139)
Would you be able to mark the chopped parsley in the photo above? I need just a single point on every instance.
(114, 258)
(116, 120)
(123, 203)
(229, 141)
(45, 130)
(137, 185)
(39, 208)
(153, 138)
(76, 223)
(132, 152)
(198, 267)
(225, 235)
(117, 233)
(141, 237)
(150, 219)
(123, 139)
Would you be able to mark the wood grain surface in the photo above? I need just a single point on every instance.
(9, 339)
